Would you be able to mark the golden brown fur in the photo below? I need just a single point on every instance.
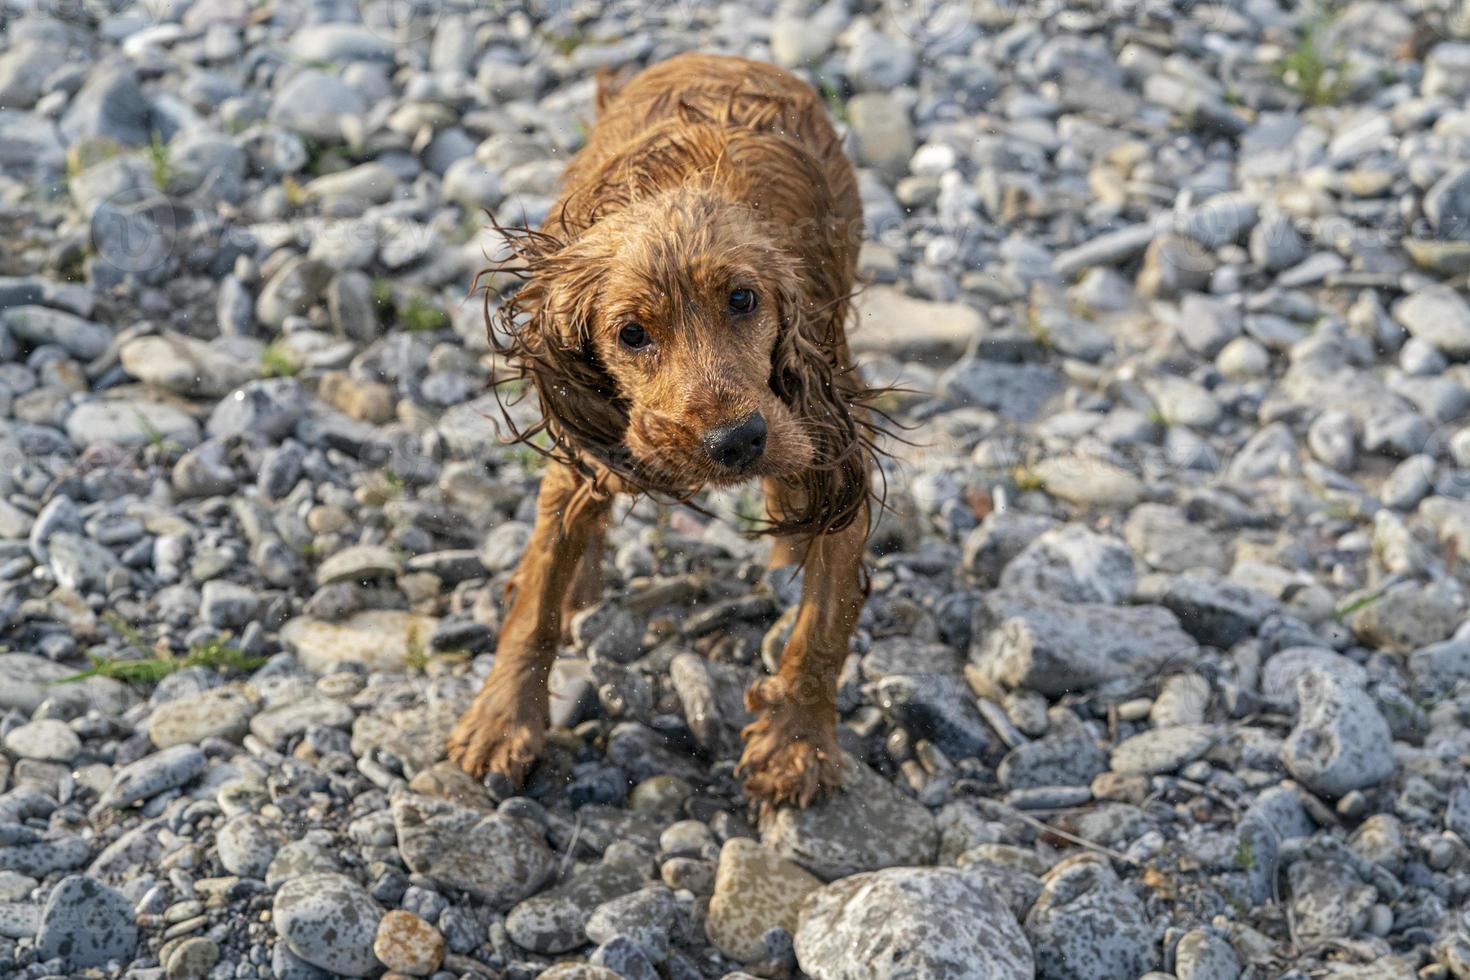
(707, 181)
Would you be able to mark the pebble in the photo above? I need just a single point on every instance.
(1186, 433)
(407, 944)
(86, 924)
(920, 922)
(1340, 742)
(328, 921)
(47, 740)
(755, 891)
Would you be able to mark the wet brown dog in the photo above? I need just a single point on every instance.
(682, 319)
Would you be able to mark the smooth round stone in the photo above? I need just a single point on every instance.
(408, 944)
(48, 740)
(221, 712)
(329, 921)
(192, 959)
(86, 924)
(246, 845)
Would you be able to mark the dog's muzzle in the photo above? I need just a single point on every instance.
(737, 445)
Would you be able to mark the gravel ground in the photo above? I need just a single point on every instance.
(1166, 669)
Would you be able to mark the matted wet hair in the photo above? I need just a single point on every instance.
(584, 418)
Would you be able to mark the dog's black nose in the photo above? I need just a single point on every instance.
(737, 444)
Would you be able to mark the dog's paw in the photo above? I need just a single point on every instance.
(789, 758)
(488, 740)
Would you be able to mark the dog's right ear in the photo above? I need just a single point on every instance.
(543, 330)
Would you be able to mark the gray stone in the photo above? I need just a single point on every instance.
(186, 366)
(1163, 750)
(1207, 324)
(314, 103)
(555, 921)
(329, 921)
(153, 774)
(884, 136)
(1437, 315)
(291, 291)
(86, 924)
(1328, 899)
(1089, 924)
(1055, 647)
(1074, 564)
(645, 916)
(1407, 618)
(38, 325)
(1340, 742)
(222, 712)
(110, 103)
(228, 605)
(1000, 538)
(1168, 541)
(1447, 205)
(1202, 955)
(1280, 673)
(47, 740)
(923, 923)
(1088, 481)
(130, 424)
(340, 42)
(1173, 265)
(1214, 610)
(246, 844)
(1017, 391)
(266, 409)
(498, 859)
(936, 707)
(868, 824)
(1058, 760)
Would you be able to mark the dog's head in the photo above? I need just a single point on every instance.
(670, 342)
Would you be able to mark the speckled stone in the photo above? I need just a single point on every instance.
(1054, 647)
(221, 712)
(1340, 742)
(918, 923)
(1163, 750)
(1088, 924)
(868, 824)
(86, 924)
(1202, 955)
(408, 944)
(47, 740)
(755, 890)
(154, 774)
(494, 857)
(329, 921)
(556, 920)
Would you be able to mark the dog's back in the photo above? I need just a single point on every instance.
(759, 131)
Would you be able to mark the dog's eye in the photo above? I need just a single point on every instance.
(742, 300)
(633, 336)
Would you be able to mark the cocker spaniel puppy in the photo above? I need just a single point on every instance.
(682, 318)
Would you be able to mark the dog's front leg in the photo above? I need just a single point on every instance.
(504, 729)
(791, 753)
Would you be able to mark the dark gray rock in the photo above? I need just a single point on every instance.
(1053, 647)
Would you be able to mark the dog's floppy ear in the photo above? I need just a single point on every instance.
(807, 375)
(544, 330)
